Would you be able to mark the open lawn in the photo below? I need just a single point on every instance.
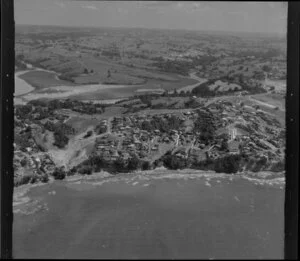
(80, 124)
(42, 79)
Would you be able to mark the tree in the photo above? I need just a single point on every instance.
(23, 162)
(266, 68)
(165, 94)
(59, 173)
(272, 88)
(229, 164)
(173, 162)
(146, 165)
(224, 145)
(133, 163)
(44, 178)
(119, 164)
(85, 71)
(86, 170)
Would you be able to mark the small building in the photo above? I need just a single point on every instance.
(166, 139)
(233, 147)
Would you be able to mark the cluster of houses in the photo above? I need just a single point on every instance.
(36, 163)
(102, 127)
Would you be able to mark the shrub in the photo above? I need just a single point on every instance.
(228, 164)
(133, 163)
(59, 173)
(85, 170)
(173, 162)
(146, 165)
(23, 162)
(119, 165)
(88, 134)
(22, 180)
(279, 166)
(34, 179)
(44, 178)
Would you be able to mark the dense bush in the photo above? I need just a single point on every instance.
(133, 163)
(260, 164)
(24, 110)
(228, 164)
(85, 169)
(173, 162)
(146, 165)
(279, 166)
(44, 178)
(59, 173)
(60, 139)
(60, 131)
(22, 180)
(203, 90)
(205, 124)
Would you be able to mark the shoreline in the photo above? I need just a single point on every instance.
(162, 171)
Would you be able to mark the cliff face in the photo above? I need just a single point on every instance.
(256, 165)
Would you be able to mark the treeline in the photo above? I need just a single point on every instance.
(23, 139)
(203, 90)
(23, 111)
(229, 164)
(97, 163)
(83, 107)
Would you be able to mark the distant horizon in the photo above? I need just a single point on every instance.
(278, 34)
(234, 17)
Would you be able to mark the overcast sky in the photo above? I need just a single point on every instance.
(268, 17)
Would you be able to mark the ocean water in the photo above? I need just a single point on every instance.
(152, 216)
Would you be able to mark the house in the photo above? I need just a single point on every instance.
(213, 154)
(115, 155)
(233, 147)
(198, 154)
